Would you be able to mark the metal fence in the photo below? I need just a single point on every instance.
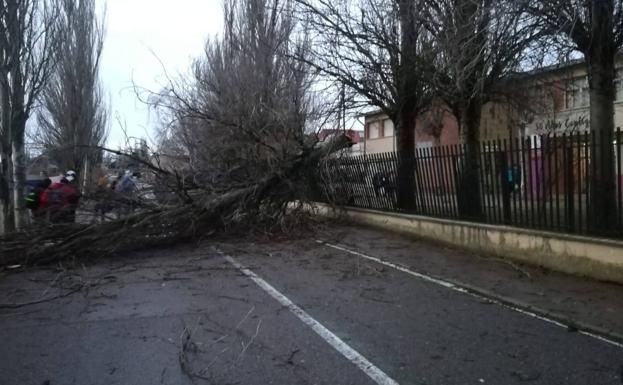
(539, 182)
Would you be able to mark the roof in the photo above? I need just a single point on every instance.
(374, 112)
(354, 135)
(560, 66)
(549, 69)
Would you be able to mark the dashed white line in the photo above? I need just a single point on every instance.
(455, 287)
(351, 354)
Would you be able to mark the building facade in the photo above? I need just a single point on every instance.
(560, 101)
(554, 100)
(435, 128)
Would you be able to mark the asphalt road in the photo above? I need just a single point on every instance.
(313, 314)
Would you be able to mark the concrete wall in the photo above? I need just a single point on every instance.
(584, 256)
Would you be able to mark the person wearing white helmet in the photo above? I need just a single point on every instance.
(70, 176)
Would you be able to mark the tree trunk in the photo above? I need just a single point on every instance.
(407, 106)
(19, 183)
(600, 60)
(86, 174)
(469, 199)
(7, 223)
(472, 40)
(405, 145)
(19, 116)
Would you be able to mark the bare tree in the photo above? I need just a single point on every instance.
(245, 111)
(480, 43)
(28, 36)
(594, 28)
(74, 114)
(380, 50)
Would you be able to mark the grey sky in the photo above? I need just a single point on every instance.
(140, 34)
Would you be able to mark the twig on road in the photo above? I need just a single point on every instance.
(365, 296)
(246, 346)
(58, 282)
(509, 263)
(516, 267)
(187, 344)
(42, 300)
(291, 357)
(45, 292)
(245, 317)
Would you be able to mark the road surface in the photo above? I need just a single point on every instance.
(345, 305)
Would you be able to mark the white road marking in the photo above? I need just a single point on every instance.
(455, 287)
(351, 354)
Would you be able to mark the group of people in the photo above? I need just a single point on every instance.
(116, 194)
(54, 202)
(57, 202)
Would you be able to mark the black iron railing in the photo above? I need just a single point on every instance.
(539, 182)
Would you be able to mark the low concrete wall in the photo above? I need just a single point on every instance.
(590, 257)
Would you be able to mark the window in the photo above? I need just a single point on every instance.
(380, 129)
(577, 94)
(542, 95)
(374, 130)
(388, 128)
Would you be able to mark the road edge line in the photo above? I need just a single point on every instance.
(376, 374)
(559, 320)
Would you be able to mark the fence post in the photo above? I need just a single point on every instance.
(506, 191)
(569, 193)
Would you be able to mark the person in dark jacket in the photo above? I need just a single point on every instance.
(33, 199)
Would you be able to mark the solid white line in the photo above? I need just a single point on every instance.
(351, 354)
(455, 287)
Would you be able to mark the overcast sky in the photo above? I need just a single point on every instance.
(140, 34)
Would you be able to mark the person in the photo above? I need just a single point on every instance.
(383, 184)
(125, 189)
(126, 184)
(103, 183)
(33, 198)
(60, 200)
(104, 197)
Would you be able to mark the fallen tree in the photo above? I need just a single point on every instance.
(264, 202)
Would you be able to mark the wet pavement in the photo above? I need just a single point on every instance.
(187, 315)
